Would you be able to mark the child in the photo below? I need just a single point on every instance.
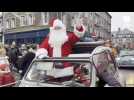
(6, 76)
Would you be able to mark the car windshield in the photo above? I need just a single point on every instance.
(41, 71)
(126, 53)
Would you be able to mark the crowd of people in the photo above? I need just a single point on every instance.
(20, 57)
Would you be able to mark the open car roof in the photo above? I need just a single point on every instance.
(71, 57)
(95, 43)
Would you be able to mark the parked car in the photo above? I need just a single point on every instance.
(126, 58)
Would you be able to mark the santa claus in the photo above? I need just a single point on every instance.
(59, 43)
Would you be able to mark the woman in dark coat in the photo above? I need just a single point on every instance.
(26, 60)
(13, 54)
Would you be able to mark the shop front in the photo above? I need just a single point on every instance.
(28, 37)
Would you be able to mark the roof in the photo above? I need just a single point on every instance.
(109, 14)
(124, 31)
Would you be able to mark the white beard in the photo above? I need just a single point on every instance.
(56, 39)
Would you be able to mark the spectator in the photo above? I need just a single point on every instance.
(27, 59)
(103, 62)
(23, 49)
(6, 77)
(2, 51)
(7, 47)
(13, 55)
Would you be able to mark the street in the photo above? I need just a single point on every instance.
(127, 76)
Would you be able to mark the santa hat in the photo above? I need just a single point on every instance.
(56, 23)
(51, 21)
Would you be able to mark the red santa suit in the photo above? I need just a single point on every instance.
(56, 45)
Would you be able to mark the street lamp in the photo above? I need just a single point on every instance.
(3, 27)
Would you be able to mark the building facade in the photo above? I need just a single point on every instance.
(1, 28)
(123, 38)
(33, 26)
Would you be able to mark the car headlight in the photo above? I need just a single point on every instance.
(117, 58)
(132, 58)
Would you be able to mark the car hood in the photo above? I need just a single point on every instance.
(25, 83)
(126, 58)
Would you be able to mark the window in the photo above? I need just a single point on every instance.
(23, 21)
(73, 21)
(60, 15)
(8, 24)
(30, 19)
(45, 18)
(13, 23)
(0, 26)
(64, 19)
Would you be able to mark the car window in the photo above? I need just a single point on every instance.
(45, 71)
(126, 53)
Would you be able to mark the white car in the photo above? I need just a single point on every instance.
(126, 59)
(38, 72)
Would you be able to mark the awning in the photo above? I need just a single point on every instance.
(30, 34)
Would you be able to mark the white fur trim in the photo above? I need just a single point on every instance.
(57, 51)
(57, 23)
(78, 33)
(61, 72)
(41, 52)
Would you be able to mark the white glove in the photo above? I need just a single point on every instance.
(41, 53)
(79, 24)
(42, 56)
(77, 28)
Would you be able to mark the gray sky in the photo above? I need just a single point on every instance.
(122, 20)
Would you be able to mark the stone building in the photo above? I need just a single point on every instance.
(31, 27)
